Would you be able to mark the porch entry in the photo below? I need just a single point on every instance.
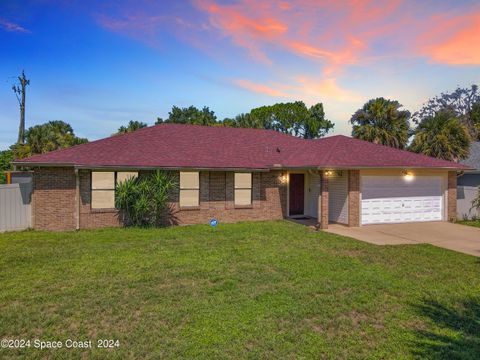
(297, 194)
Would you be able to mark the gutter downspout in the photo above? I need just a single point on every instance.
(77, 200)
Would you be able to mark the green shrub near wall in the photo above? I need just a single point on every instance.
(143, 201)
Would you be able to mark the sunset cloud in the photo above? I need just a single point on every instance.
(457, 43)
(327, 36)
(302, 87)
(259, 88)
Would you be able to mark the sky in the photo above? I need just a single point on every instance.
(97, 65)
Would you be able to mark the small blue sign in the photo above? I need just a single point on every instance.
(213, 222)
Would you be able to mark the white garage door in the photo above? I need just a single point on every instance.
(394, 199)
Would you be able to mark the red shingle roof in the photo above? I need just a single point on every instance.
(192, 146)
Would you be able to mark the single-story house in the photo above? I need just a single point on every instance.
(234, 174)
(468, 184)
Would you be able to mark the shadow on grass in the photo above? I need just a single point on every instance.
(455, 333)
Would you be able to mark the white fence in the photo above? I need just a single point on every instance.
(15, 206)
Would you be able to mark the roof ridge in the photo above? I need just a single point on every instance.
(218, 126)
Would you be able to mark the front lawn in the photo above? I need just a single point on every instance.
(248, 290)
(475, 223)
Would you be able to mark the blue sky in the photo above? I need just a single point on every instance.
(97, 67)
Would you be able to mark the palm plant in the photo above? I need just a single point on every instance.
(442, 136)
(144, 201)
(382, 122)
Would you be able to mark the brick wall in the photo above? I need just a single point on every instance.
(55, 190)
(452, 196)
(53, 199)
(353, 198)
(324, 202)
(269, 199)
(96, 218)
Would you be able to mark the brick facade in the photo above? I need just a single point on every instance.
(93, 218)
(452, 196)
(353, 198)
(54, 200)
(324, 195)
(269, 199)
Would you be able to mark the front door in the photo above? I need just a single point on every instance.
(297, 186)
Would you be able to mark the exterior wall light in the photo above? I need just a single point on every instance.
(408, 176)
(328, 173)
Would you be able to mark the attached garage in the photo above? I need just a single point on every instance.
(402, 198)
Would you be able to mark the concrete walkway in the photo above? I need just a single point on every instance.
(461, 238)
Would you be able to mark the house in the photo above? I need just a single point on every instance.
(236, 174)
(468, 184)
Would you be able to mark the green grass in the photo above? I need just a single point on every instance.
(247, 290)
(475, 223)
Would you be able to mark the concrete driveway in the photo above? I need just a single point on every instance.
(461, 238)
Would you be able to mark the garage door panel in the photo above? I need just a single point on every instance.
(390, 199)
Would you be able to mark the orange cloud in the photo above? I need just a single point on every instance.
(332, 34)
(244, 30)
(460, 48)
(259, 88)
(304, 88)
(326, 89)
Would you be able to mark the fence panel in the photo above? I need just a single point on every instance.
(15, 206)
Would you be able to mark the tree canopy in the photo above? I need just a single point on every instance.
(47, 137)
(132, 126)
(190, 115)
(6, 158)
(382, 122)
(463, 102)
(443, 136)
(292, 118)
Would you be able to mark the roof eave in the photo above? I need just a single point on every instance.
(355, 167)
(137, 167)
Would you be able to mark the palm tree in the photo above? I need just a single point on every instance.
(380, 121)
(443, 136)
(50, 136)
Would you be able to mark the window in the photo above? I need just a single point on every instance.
(122, 176)
(243, 189)
(103, 187)
(189, 189)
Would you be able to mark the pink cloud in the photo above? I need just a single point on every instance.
(330, 35)
(334, 35)
(12, 27)
(456, 41)
(260, 88)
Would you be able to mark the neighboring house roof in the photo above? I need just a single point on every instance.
(473, 159)
(193, 146)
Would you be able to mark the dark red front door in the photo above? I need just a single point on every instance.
(296, 194)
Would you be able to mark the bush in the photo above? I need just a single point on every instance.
(143, 201)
